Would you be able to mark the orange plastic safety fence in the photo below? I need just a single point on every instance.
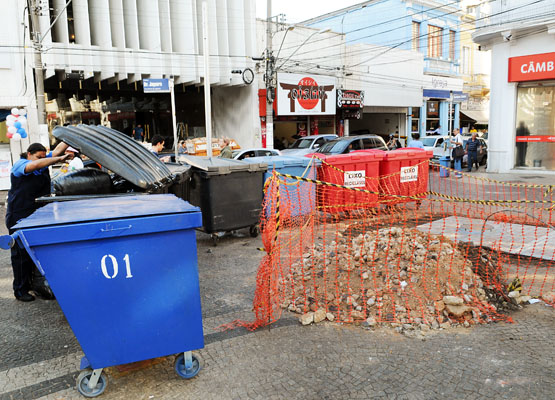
(425, 249)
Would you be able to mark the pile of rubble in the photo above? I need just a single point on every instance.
(401, 277)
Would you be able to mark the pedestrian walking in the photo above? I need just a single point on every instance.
(30, 179)
(458, 151)
(472, 147)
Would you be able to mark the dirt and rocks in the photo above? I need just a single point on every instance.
(403, 278)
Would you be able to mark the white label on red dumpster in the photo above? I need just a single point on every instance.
(355, 179)
(409, 174)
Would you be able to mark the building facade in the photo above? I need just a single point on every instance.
(370, 96)
(95, 54)
(429, 28)
(475, 67)
(520, 36)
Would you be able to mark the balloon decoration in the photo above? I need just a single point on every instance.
(17, 124)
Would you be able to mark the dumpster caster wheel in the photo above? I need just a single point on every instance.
(254, 231)
(83, 384)
(215, 239)
(183, 371)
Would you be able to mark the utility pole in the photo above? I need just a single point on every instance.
(207, 98)
(35, 11)
(269, 79)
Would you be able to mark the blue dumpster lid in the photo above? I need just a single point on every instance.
(106, 208)
(279, 162)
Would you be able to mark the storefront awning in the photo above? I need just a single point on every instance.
(480, 116)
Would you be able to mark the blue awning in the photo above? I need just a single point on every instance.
(437, 94)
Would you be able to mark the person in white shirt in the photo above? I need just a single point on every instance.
(458, 151)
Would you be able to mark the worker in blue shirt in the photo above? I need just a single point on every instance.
(415, 142)
(30, 179)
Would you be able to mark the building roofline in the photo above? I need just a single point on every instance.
(339, 11)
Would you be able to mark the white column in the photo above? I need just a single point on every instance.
(149, 36)
(223, 41)
(117, 29)
(101, 36)
(131, 28)
(184, 40)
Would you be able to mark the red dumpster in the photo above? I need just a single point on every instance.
(355, 170)
(404, 172)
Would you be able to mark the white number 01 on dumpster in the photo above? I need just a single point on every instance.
(110, 259)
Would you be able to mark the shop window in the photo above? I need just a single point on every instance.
(415, 121)
(432, 116)
(452, 45)
(535, 127)
(415, 36)
(435, 49)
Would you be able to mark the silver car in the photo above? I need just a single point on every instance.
(307, 145)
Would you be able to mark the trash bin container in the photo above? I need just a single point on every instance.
(404, 172)
(445, 164)
(229, 193)
(297, 198)
(354, 170)
(124, 272)
(181, 178)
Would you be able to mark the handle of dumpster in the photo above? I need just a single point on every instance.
(7, 242)
(110, 229)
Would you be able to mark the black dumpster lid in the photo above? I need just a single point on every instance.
(222, 166)
(107, 208)
(116, 152)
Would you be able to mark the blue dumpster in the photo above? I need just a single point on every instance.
(445, 162)
(124, 272)
(297, 197)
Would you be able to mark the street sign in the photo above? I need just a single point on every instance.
(156, 86)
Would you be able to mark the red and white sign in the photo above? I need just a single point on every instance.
(532, 68)
(535, 138)
(300, 94)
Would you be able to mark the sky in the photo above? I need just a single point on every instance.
(300, 10)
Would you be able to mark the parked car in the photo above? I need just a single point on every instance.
(347, 144)
(258, 152)
(307, 145)
(438, 144)
(441, 147)
(482, 151)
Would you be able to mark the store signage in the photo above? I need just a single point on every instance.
(355, 179)
(349, 99)
(532, 68)
(156, 85)
(300, 94)
(409, 174)
(536, 138)
(460, 97)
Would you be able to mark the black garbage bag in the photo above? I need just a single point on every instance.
(83, 181)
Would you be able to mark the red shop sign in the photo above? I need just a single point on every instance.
(536, 138)
(532, 68)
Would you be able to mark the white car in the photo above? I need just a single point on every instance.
(308, 144)
(258, 152)
(438, 144)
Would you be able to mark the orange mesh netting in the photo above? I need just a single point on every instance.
(413, 247)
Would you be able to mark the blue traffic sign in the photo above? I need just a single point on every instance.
(156, 85)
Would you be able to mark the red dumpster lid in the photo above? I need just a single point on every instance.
(408, 153)
(353, 156)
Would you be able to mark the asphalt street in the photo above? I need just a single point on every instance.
(39, 356)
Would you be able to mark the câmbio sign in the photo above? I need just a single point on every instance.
(534, 67)
(300, 94)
